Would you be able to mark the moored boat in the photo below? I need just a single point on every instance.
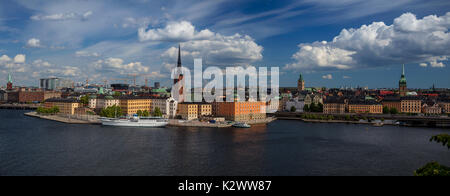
(241, 125)
(135, 122)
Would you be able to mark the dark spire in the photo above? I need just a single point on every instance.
(179, 56)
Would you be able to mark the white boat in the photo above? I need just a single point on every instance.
(135, 122)
(241, 125)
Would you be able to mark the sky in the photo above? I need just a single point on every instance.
(332, 43)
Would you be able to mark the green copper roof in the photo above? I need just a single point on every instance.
(9, 78)
(403, 78)
(301, 78)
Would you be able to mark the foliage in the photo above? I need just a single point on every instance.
(157, 112)
(145, 113)
(386, 110)
(433, 169)
(306, 108)
(293, 109)
(42, 110)
(139, 112)
(111, 112)
(84, 100)
(393, 111)
(442, 138)
(117, 94)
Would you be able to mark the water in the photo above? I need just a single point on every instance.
(30, 146)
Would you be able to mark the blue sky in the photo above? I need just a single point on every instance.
(333, 43)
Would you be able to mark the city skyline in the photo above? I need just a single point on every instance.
(364, 44)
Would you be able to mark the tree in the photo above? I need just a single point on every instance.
(386, 110)
(54, 110)
(320, 108)
(145, 113)
(139, 112)
(434, 168)
(117, 94)
(84, 100)
(312, 107)
(293, 109)
(111, 112)
(306, 108)
(394, 111)
(157, 112)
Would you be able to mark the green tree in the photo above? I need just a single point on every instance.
(386, 110)
(157, 112)
(111, 112)
(145, 113)
(320, 107)
(117, 94)
(84, 100)
(306, 108)
(54, 110)
(393, 111)
(139, 113)
(313, 107)
(293, 109)
(434, 168)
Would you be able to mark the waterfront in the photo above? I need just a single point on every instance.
(32, 146)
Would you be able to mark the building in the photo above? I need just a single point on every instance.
(366, 106)
(180, 78)
(131, 105)
(301, 84)
(35, 95)
(334, 105)
(431, 109)
(402, 87)
(411, 105)
(55, 83)
(65, 106)
(157, 85)
(188, 111)
(241, 111)
(297, 103)
(316, 99)
(204, 110)
(102, 102)
(3, 96)
(167, 106)
(445, 105)
(9, 84)
(392, 102)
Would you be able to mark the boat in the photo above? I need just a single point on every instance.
(378, 124)
(241, 125)
(135, 121)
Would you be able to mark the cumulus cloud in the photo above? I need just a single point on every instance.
(20, 58)
(86, 54)
(41, 63)
(34, 43)
(4, 59)
(63, 16)
(328, 77)
(117, 65)
(174, 32)
(407, 40)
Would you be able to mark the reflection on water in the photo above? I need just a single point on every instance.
(30, 146)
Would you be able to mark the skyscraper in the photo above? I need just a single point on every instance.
(402, 87)
(301, 84)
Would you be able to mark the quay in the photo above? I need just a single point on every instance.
(19, 106)
(82, 119)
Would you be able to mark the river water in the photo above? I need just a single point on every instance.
(31, 146)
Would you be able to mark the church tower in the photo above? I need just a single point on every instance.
(180, 76)
(402, 87)
(9, 85)
(301, 84)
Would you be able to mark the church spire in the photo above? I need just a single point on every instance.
(403, 70)
(9, 78)
(179, 56)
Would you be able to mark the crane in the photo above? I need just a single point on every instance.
(134, 77)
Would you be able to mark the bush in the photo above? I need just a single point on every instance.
(42, 110)
(433, 169)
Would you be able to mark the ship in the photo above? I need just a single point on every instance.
(135, 121)
(241, 125)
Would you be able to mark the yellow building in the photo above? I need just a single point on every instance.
(411, 105)
(65, 106)
(188, 111)
(204, 109)
(131, 105)
(370, 107)
(445, 105)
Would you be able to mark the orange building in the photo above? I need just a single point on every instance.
(241, 111)
(445, 105)
(411, 105)
(65, 106)
(392, 102)
(188, 111)
(370, 107)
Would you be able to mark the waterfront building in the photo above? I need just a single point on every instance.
(431, 108)
(445, 105)
(28, 95)
(3, 96)
(188, 111)
(297, 103)
(131, 105)
(316, 99)
(365, 106)
(241, 111)
(402, 87)
(411, 105)
(65, 106)
(392, 102)
(334, 105)
(9, 85)
(204, 110)
(102, 102)
(167, 106)
(55, 83)
(301, 84)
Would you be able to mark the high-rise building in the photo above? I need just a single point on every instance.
(55, 83)
(402, 87)
(9, 85)
(301, 84)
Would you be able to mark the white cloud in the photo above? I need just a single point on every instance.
(423, 64)
(63, 16)
(4, 59)
(328, 77)
(86, 54)
(174, 32)
(116, 65)
(41, 63)
(20, 58)
(34, 43)
(346, 77)
(407, 40)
